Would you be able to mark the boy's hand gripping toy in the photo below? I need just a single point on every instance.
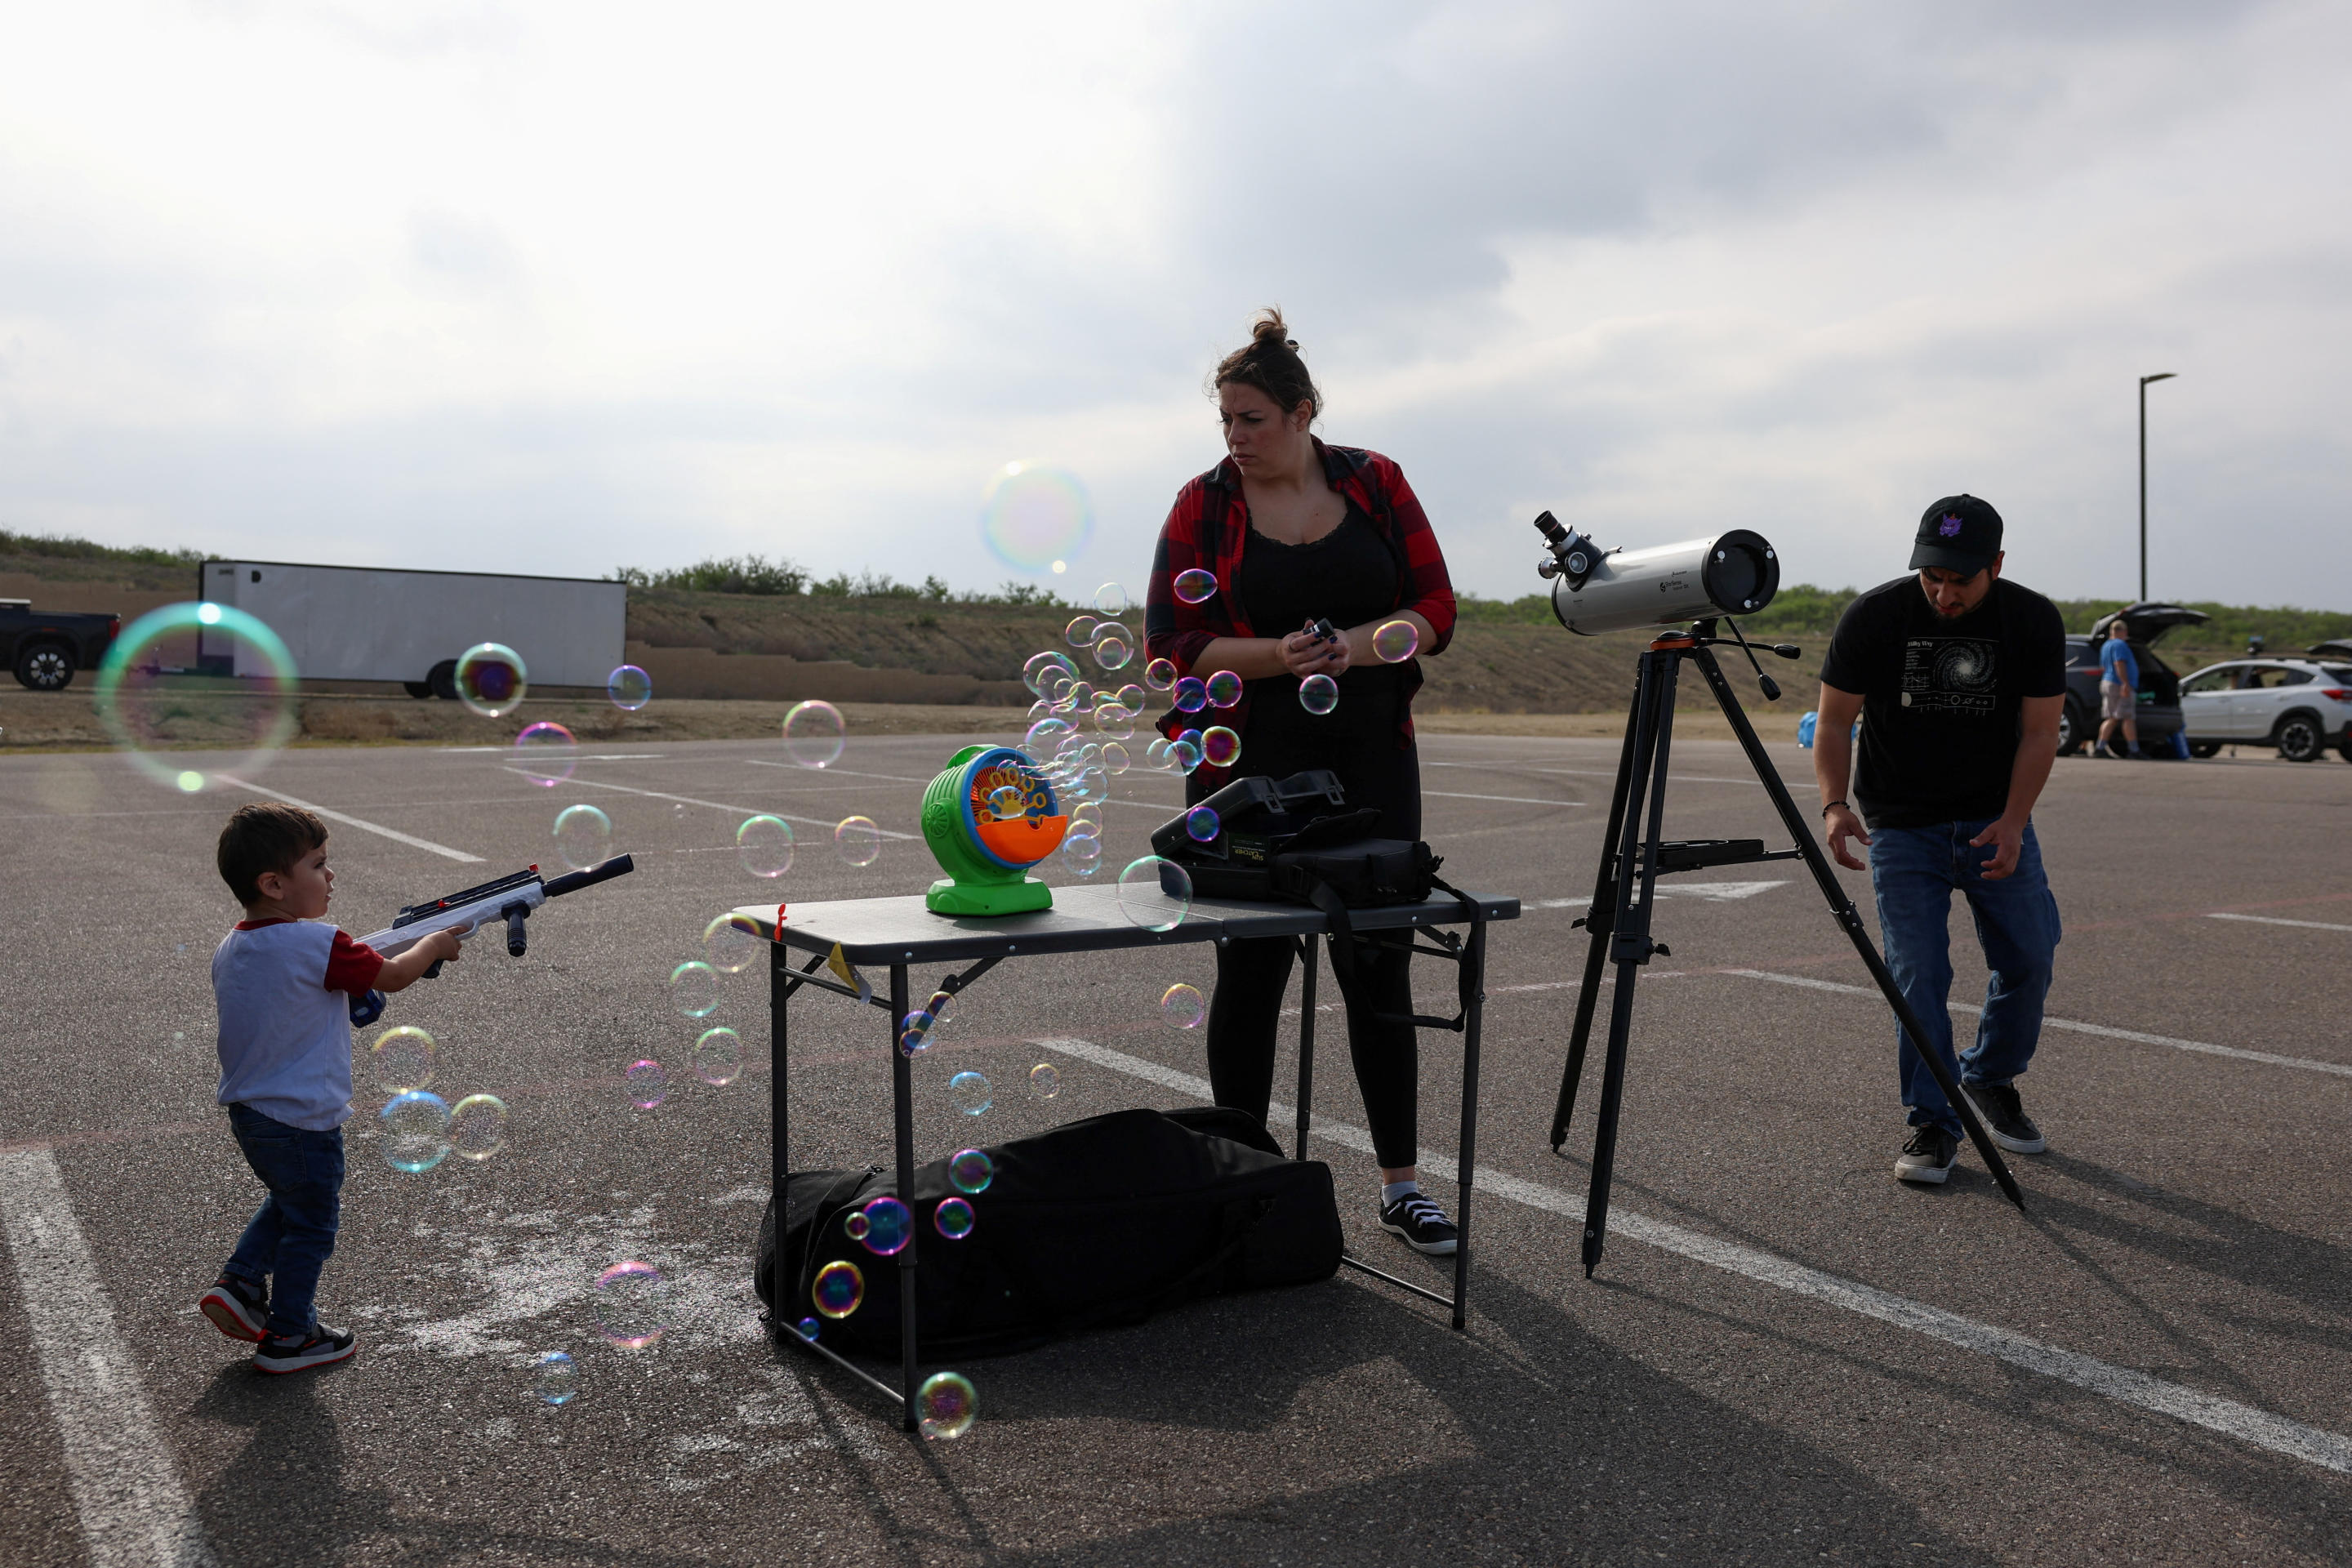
(510, 898)
(988, 818)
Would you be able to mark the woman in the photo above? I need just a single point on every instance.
(1294, 531)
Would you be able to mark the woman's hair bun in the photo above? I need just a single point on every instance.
(1270, 363)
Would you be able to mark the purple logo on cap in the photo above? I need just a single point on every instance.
(1950, 526)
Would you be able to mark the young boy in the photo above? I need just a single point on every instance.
(283, 981)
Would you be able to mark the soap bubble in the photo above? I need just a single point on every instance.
(1007, 803)
(764, 844)
(416, 1130)
(1220, 747)
(1114, 629)
(1195, 584)
(1191, 695)
(952, 1218)
(1115, 758)
(1154, 893)
(858, 840)
(1200, 825)
(915, 1031)
(1111, 599)
(1081, 630)
(1159, 675)
(1035, 516)
(1044, 736)
(629, 688)
(1082, 852)
(1224, 689)
(718, 1058)
(733, 943)
(1396, 641)
(1130, 697)
(491, 680)
(855, 1225)
(555, 1380)
(1044, 1081)
(1112, 653)
(1318, 694)
(646, 1084)
(631, 1304)
(583, 837)
(152, 710)
(808, 1328)
(403, 1059)
(694, 989)
(1180, 1005)
(1115, 720)
(1039, 673)
(888, 1227)
(1184, 756)
(947, 1404)
(971, 1169)
(546, 753)
(812, 734)
(839, 1287)
(972, 1093)
(477, 1127)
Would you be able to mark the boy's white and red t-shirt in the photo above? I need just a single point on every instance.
(283, 988)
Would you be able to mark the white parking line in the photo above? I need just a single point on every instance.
(392, 833)
(2274, 921)
(901, 778)
(2201, 1047)
(126, 1489)
(713, 804)
(2261, 1428)
(1507, 799)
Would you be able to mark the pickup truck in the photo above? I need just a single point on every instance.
(44, 648)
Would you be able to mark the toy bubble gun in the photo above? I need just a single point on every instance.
(509, 899)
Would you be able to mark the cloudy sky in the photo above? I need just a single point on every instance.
(561, 287)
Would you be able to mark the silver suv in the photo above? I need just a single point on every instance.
(2301, 706)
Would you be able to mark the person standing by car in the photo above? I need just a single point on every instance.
(1962, 676)
(2118, 693)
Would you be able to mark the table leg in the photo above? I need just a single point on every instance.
(903, 1094)
(780, 1144)
(1310, 948)
(1474, 1013)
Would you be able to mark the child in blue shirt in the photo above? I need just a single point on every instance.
(283, 981)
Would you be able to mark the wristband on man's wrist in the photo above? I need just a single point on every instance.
(1833, 806)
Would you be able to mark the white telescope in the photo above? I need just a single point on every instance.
(1732, 574)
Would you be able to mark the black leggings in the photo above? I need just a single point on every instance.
(1253, 975)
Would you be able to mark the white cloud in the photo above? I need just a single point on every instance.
(555, 288)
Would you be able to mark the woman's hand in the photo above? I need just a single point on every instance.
(1304, 654)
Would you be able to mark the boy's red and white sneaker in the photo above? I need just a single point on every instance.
(236, 1309)
(322, 1344)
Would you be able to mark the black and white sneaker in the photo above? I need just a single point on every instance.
(2004, 1117)
(1422, 1223)
(282, 1353)
(1927, 1157)
(236, 1309)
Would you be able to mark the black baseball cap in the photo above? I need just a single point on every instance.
(1959, 533)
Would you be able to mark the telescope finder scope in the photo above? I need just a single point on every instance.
(1592, 590)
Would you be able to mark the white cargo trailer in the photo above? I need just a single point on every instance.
(373, 623)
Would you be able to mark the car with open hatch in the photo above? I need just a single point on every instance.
(2158, 693)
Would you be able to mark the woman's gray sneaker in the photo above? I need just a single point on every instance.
(2004, 1117)
(1927, 1157)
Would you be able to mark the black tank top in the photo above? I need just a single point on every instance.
(1348, 577)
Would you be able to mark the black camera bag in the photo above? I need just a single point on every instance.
(1094, 1223)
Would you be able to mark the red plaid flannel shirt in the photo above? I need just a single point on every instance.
(1209, 526)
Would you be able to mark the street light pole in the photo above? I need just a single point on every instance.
(2159, 375)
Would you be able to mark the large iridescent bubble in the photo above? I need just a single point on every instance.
(195, 694)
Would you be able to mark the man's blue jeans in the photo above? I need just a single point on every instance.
(1915, 871)
(293, 1234)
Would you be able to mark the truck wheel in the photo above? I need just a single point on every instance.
(46, 667)
(2070, 730)
(2299, 738)
(443, 681)
(2204, 747)
(420, 689)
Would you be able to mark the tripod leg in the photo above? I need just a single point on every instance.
(1598, 924)
(1849, 920)
(1629, 942)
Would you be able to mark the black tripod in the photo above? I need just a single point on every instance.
(1623, 896)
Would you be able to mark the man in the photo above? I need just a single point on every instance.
(1959, 676)
(2118, 693)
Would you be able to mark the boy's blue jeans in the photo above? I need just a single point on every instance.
(1914, 872)
(293, 1235)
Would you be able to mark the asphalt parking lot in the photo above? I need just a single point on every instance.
(1786, 1356)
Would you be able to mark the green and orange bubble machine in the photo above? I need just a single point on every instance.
(988, 818)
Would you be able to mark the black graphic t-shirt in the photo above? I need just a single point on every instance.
(1942, 700)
